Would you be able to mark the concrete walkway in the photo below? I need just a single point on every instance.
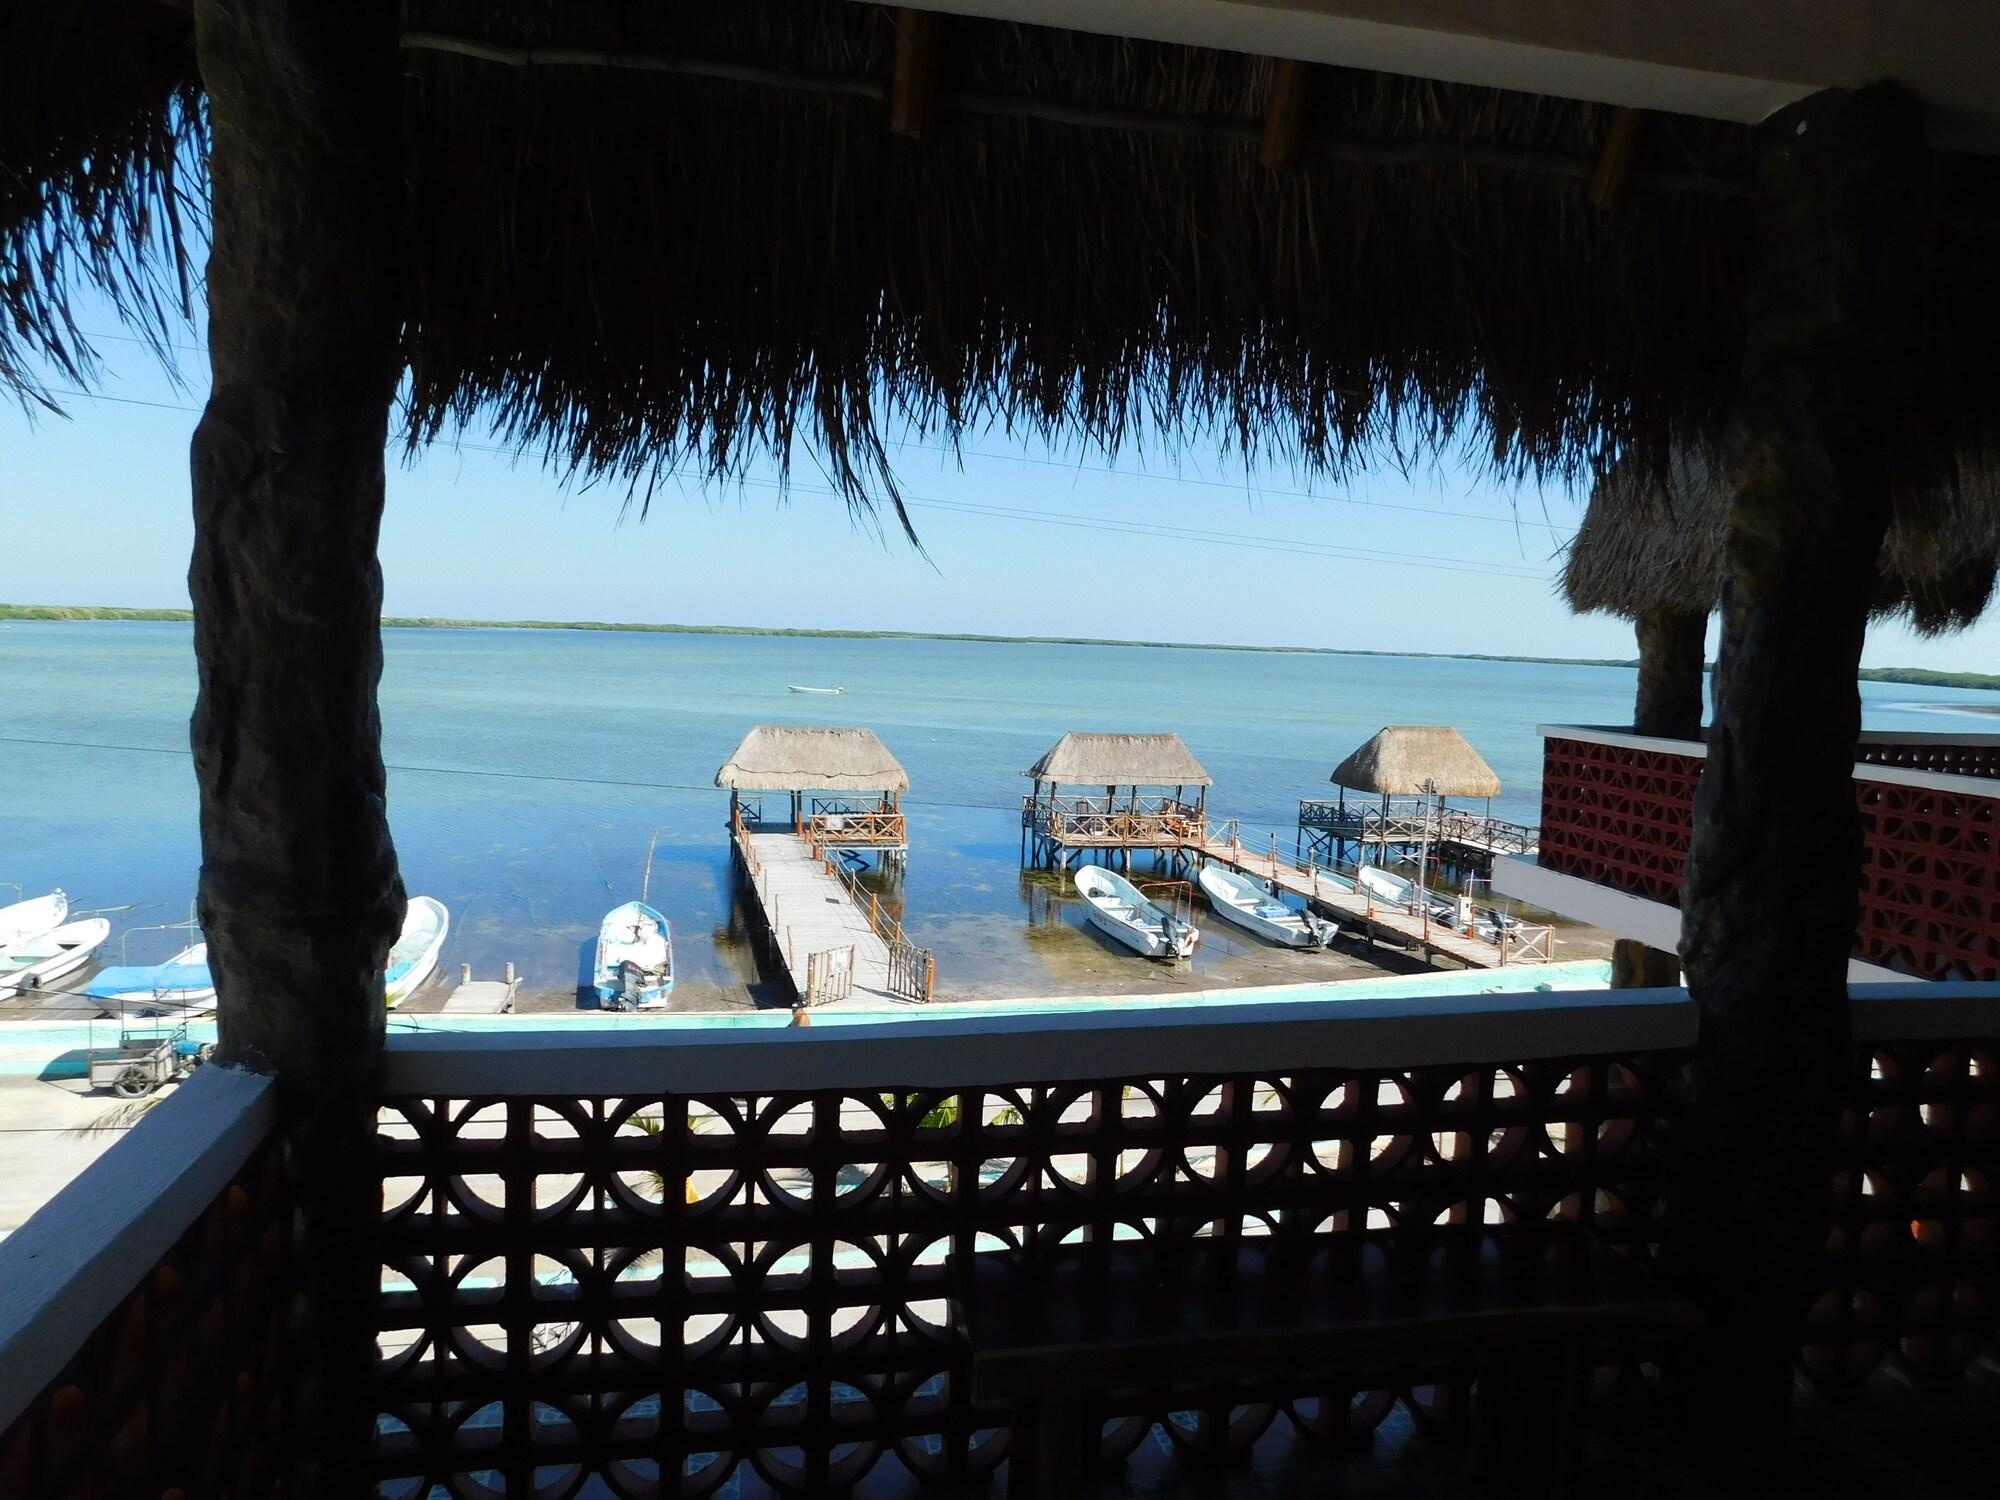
(45, 1143)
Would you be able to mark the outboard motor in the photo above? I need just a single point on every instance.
(631, 980)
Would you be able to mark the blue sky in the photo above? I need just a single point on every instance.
(95, 510)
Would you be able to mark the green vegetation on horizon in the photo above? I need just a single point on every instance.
(1915, 676)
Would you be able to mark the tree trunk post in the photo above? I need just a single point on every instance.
(1636, 966)
(1670, 673)
(1770, 900)
(1668, 707)
(300, 896)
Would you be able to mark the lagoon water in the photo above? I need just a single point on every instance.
(530, 769)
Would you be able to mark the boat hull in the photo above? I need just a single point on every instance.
(1105, 894)
(1394, 890)
(426, 924)
(69, 949)
(1293, 933)
(25, 921)
(182, 983)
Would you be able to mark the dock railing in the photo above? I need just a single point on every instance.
(1148, 822)
(912, 970)
(1408, 820)
(834, 826)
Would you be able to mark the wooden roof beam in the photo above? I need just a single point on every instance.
(1614, 162)
(915, 86)
(1284, 115)
(1719, 59)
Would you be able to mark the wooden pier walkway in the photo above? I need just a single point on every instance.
(1357, 912)
(833, 939)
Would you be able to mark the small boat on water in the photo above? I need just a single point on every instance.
(182, 982)
(1394, 890)
(822, 691)
(34, 962)
(1239, 899)
(30, 919)
(635, 958)
(414, 958)
(1119, 909)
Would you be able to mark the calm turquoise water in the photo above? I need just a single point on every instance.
(530, 769)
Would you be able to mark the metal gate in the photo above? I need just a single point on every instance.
(829, 975)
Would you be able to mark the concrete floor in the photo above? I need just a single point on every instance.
(49, 1132)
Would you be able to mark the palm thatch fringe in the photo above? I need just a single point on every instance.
(795, 758)
(645, 273)
(1120, 760)
(1408, 760)
(1653, 543)
(102, 152)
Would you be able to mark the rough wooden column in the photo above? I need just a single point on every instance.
(1669, 706)
(1670, 674)
(1770, 900)
(300, 897)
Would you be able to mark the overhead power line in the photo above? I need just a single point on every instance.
(1161, 530)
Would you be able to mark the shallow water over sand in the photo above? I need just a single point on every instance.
(529, 769)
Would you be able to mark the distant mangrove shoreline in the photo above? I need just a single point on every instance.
(1914, 676)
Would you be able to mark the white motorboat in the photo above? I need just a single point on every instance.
(1394, 890)
(1119, 909)
(34, 962)
(825, 692)
(1239, 899)
(30, 919)
(635, 958)
(182, 982)
(414, 958)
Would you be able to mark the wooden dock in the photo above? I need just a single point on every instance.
(1357, 912)
(1455, 836)
(832, 940)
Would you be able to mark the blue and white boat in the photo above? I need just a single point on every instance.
(181, 983)
(635, 958)
(1244, 901)
(1120, 910)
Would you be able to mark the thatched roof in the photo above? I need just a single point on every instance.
(648, 236)
(1655, 542)
(1405, 760)
(1120, 760)
(793, 758)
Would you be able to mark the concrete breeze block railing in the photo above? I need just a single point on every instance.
(732, 1250)
(1618, 810)
(668, 1257)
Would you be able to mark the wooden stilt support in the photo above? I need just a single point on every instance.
(300, 897)
(1770, 901)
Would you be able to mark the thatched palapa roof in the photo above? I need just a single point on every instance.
(1120, 760)
(1406, 760)
(1652, 542)
(794, 758)
(645, 237)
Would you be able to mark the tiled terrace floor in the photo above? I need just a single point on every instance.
(1892, 1442)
